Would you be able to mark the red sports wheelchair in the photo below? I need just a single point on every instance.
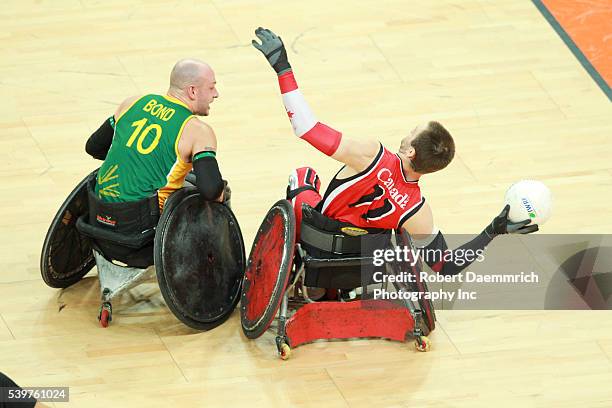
(280, 272)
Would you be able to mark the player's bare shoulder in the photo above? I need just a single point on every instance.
(367, 149)
(197, 136)
(199, 130)
(125, 105)
(421, 224)
(356, 153)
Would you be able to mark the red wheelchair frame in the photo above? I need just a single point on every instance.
(274, 283)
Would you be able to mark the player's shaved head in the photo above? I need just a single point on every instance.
(188, 72)
(193, 82)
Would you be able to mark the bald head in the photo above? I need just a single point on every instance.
(193, 82)
(189, 72)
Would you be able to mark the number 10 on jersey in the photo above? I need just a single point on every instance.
(142, 134)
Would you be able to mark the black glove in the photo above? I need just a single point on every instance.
(502, 225)
(273, 49)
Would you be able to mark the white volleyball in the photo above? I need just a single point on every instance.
(529, 199)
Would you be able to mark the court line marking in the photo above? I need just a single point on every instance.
(603, 85)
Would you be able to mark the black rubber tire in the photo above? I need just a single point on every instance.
(71, 211)
(172, 204)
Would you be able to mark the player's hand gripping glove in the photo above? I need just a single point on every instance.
(502, 225)
(273, 49)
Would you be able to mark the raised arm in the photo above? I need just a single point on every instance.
(447, 261)
(355, 154)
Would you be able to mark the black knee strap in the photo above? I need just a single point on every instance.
(291, 194)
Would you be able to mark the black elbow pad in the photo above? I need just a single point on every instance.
(100, 141)
(208, 176)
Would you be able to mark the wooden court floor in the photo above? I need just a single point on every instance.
(494, 72)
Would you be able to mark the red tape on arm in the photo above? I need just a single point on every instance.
(323, 138)
(304, 123)
(287, 82)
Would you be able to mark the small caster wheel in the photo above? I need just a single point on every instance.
(285, 351)
(422, 343)
(106, 314)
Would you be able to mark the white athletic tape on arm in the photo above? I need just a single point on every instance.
(305, 125)
(301, 117)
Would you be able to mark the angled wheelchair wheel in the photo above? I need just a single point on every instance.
(426, 306)
(66, 255)
(268, 269)
(199, 259)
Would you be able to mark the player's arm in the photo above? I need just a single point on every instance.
(447, 261)
(100, 141)
(198, 145)
(357, 155)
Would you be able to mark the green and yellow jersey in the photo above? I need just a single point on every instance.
(143, 158)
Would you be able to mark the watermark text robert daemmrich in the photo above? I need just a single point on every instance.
(403, 278)
(465, 277)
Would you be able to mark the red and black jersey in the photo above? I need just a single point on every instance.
(378, 197)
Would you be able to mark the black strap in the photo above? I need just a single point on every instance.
(329, 241)
(134, 241)
(126, 217)
(291, 194)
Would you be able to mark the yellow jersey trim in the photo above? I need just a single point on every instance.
(175, 100)
(177, 173)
